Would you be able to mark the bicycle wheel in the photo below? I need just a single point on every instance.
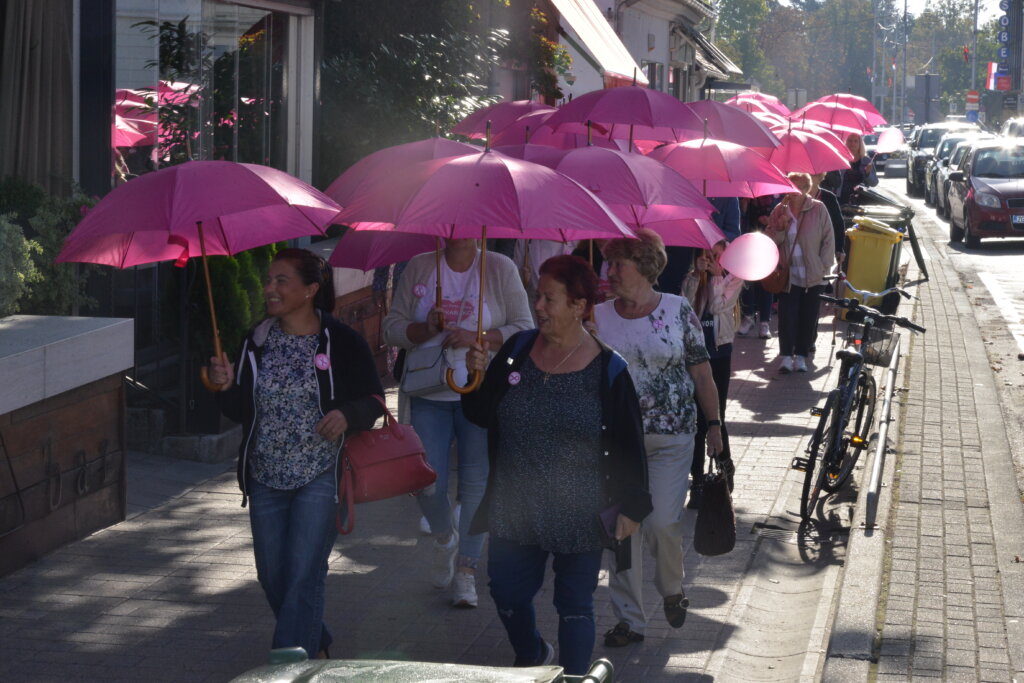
(817, 448)
(864, 409)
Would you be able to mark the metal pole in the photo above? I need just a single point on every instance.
(874, 51)
(974, 50)
(903, 87)
(875, 485)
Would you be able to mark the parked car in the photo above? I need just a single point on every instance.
(948, 166)
(1013, 128)
(931, 170)
(870, 142)
(922, 148)
(986, 193)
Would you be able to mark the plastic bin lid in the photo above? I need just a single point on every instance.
(872, 230)
(881, 210)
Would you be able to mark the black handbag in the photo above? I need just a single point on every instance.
(715, 530)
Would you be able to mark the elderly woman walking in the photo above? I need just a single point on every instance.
(565, 442)
(661, 338)
(802, 228)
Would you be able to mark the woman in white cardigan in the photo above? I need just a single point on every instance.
(415, 320)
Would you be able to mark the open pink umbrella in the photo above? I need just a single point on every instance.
(529, 128)
(872, 114)
(369, 249)
(836, 140)
(837, 117)
(724, 122)
(382, 164)
(124, 134)
(805, 152)
(630, 112)
(161, 216)
(479, 195)
(500, 115)
(770, 102)
(723, 169)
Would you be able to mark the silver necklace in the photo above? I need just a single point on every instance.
(548, 373)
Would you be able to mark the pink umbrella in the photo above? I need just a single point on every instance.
(837, 117)
(805, 152)
(872, 114)
(529, 128)
(390, 160)
(630, 112)
(834, 139)
(701, 233)
(724, 122)
(723, 168)
(770, 102)
(369, 249)
(124, 134)
(476, 195)
(159, 216)
(500, 115)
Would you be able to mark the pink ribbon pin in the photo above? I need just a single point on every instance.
(420, 290)
(514, 378)
(321, 361)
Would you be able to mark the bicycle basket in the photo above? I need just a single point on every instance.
(877, 348)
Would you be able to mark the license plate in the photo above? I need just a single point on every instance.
(1018, 218)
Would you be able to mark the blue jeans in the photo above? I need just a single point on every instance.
(517, 573)
(754, 300)
(438, 423)
(292, 536)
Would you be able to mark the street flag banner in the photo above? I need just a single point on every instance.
(990, 82)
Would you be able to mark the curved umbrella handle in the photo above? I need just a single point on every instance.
(476, 378)
(204, 377)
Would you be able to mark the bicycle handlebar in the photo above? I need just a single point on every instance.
(854, 305)
(841, 277)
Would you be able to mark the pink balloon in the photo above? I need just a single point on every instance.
(751, 257)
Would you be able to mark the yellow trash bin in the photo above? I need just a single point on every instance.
(873, 259)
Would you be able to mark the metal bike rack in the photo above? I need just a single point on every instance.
(878, 464)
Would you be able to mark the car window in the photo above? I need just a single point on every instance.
(871, 139)
(930, 137)
(958, 155)
(947, 147)
(999, 162)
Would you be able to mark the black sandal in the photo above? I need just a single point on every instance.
(621, 635)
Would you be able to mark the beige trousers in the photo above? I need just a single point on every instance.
(661, 534)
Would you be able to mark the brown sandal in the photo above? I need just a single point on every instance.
(621, 635)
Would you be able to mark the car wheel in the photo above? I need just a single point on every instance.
(971, 240)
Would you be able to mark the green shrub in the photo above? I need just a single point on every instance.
(17, 271)
(60, 288)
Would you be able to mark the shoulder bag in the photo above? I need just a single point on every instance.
(778, 280)
(381, 463)
(424, 370)
(715, 530)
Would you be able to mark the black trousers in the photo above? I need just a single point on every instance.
(721, 371)
(799, 309)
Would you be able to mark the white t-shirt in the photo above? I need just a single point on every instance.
(539, 251)
(460, 296)
(797, 268)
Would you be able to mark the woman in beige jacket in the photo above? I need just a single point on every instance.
(802, 228)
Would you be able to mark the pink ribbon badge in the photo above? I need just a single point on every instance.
(420, 290)
(321, 361)
(514, 378)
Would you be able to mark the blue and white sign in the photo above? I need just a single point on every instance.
(1004, 5)
(1004, 52)
(1004, 21)
(1003, 36)
(971, 116)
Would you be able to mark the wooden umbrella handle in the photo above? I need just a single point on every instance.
(476, 377)
(204, 375)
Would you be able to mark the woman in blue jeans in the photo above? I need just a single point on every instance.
(565, 442)
(305, 381)
(415, 321)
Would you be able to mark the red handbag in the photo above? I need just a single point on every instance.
(381, 463)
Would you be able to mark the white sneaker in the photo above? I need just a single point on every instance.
(800, 364)
(764, 332)
(746, 325)
(424, 526)
(442, 564)
(787, 365)
(464, 590)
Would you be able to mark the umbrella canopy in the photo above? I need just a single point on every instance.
(805, 152)
(124, 134)
(390, 160)
(871, 113)
(837, 117)
(369, 249)
(456, 197)
(724, 122)
(153, 217)
(700, 233)
(771, 118)
(769, 102)
(630, 112)
(529, 129)
(501, 115)
(724, 168)
(834, 139)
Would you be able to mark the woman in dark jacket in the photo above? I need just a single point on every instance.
(565, 442)
(305, 381)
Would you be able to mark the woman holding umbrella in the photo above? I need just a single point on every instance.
(661, 338)
(305, 381)
(860, 172)
(565, 444)
(414, 320)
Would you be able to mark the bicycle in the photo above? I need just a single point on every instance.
(845, 421)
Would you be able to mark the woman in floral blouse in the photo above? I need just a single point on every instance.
(661, 338)
(305, 381)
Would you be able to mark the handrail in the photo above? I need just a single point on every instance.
(878, 463)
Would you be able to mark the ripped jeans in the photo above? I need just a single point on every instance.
(516, 575)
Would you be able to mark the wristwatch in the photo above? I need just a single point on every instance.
(714, 423)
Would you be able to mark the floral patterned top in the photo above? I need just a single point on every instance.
(659, 348)
(288, 452)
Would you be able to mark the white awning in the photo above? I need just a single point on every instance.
(598, 41)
